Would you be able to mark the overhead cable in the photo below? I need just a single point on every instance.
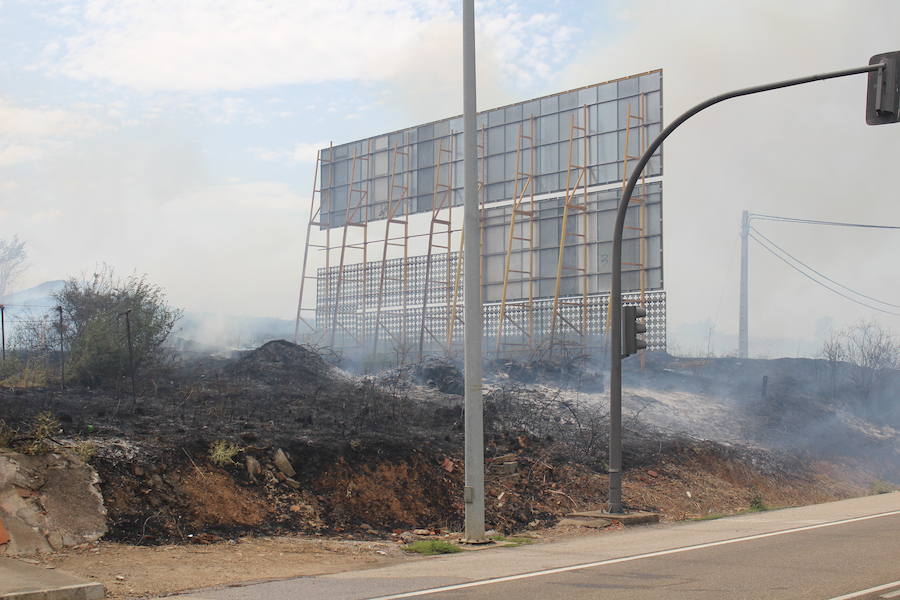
(822, 275)
(762, 217)
(814, 280)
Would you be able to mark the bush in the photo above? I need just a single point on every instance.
(9, 367)
(95, 314)
(7, 434)
(222, 453)
(43, 428)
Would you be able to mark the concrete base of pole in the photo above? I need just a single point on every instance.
(615, 492)
(476, 542)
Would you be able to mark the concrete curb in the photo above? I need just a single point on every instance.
(22, 581)
(80, 591)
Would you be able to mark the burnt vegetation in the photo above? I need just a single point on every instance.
(280, 439)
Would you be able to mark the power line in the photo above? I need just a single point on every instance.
(28, 305)
(814, 280)
(794, 258)
(762, 217)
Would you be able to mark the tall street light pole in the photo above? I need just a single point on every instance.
(882, 107)
(474, 412)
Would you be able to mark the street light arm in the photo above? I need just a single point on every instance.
(615, 296)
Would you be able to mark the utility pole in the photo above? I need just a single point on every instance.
(474, 410)
(62, 356)
(3, 328)
(882, 107)
(743, 324)
(127, 315)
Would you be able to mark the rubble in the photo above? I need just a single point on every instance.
(320, 451)
(47, 503)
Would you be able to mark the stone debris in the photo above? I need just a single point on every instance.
(284, 465)
(253, 467)
(48, 503)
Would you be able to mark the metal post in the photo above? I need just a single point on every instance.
(474, 425)
(3, 328)
(743, 325)
(615, 293)
(62, 356)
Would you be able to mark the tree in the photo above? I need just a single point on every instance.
(872, 353)
(95, 310)
(12, 262)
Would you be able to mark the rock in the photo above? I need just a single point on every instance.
(509, 467)
(295, 508)
(292, 483)
(408, 536)
(253, 466)
(652, 473)
(421, 532)
(4, 534)
(284, 465)
(448, 465)
(138, 470)
(47, 503)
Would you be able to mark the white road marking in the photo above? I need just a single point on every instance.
(894, 594)
(872, 590)
(613, 561)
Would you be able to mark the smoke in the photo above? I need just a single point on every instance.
(797, 152)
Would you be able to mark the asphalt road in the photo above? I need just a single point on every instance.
(822, 552)
(815, 564)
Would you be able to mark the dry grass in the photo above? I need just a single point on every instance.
(222, 452)
(43, 428)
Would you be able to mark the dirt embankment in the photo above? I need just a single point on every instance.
(307, 448)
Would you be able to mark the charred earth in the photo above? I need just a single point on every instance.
(279, 439)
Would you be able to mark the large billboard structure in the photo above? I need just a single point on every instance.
(384, 239)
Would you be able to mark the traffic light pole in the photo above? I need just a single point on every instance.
(615, 298)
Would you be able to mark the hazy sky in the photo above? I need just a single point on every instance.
(176, 137)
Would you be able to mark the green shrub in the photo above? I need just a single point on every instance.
(222, 453)
(431, 547)
(96, 325)
(757, 504)
(515, 540)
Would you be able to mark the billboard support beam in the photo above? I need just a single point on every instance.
(615, 299)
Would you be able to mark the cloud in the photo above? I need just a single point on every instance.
(306, 152)
(303, 152)
(29, 133)
(17, 153)
(209, 45)
(16, 121)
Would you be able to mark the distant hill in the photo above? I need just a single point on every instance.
(39, 295)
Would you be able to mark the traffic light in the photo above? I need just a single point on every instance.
(883, 97)
(631, 327)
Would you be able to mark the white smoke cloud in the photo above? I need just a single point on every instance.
(802, 152)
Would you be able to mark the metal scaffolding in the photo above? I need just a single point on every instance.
(570, 308)
(404, 294)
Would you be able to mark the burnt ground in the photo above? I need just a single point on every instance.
(379, 455)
